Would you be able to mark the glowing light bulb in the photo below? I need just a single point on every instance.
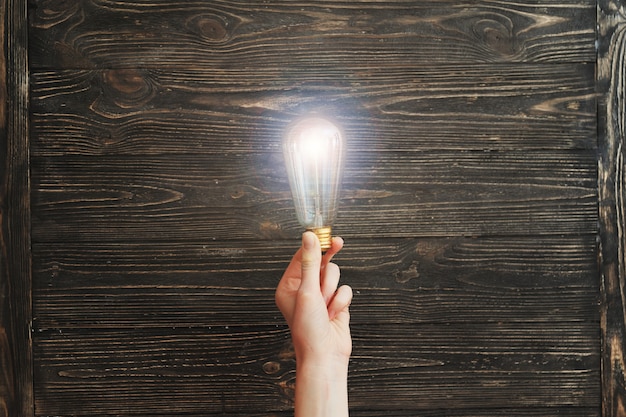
(313, 149)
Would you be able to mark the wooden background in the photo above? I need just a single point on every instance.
(482, 206)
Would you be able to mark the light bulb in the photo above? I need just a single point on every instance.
(313, 149)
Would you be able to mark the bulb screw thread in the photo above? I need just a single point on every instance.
(324, 235)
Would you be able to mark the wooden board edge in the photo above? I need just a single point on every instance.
(611, 79)
(16, 381)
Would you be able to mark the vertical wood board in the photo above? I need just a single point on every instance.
(16, 379)
(612, 192)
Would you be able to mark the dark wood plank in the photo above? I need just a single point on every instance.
(162, 217)
(403, 281)
(7, 382)
(214, 371)
(246, 196)
(487, 412)
(250, 34)
(612, 195)
(177, 328)
(136, 307)
(147, 112)
(475, 364)
(16, 379)
(233, 369)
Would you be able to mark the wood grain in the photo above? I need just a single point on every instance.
(16, 379)
(216, 197)
(162, 219)
(141, 112)
(612, 194)
(194, 325)
(7, 382)
(147, 112)
(235, 34)
(233, 369)
(397, 281)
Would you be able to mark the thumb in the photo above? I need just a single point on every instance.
(311, 261)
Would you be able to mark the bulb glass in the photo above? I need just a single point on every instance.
(313, 149)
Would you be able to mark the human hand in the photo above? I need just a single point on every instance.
(315, 309)
(318, 317)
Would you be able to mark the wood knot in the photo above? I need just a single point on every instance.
(496, 35)
(49, 13)
(270, 230)
(127, 81)
(128, 88)
(209, 27)
(271, 367)
(237, 193)
(402, 277)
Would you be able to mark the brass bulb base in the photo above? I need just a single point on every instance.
(324, 235)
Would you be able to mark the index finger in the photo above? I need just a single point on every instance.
(335, 246)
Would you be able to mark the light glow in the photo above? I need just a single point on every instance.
(313, 149)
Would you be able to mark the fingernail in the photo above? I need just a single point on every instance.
(308, 240)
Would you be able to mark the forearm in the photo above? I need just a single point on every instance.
(321, 389)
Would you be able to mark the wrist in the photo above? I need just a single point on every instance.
(333, 370)
(321, 388)
(327, 358)
(332, 355)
